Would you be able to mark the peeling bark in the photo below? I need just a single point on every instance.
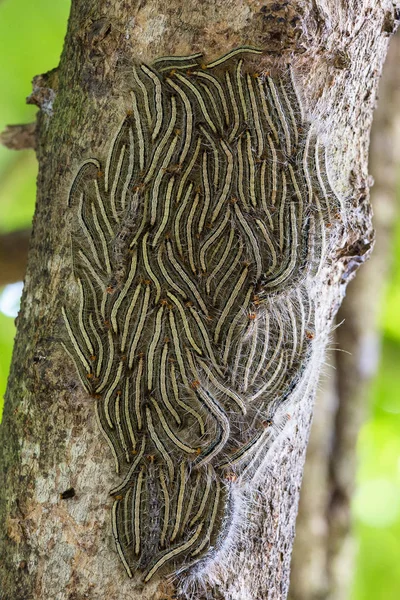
(63, 548)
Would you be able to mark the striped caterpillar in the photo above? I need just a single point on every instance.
(194, 254)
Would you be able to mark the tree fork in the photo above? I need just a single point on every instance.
(62, 547)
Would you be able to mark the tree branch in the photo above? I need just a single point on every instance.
(13, 256)
(19, 137)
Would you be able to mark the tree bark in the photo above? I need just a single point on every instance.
(62, 548)
(325, 569)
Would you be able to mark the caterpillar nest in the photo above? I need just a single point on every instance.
(197, 243)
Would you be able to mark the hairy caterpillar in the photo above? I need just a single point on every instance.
(197, 243)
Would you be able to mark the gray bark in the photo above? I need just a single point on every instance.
(325, 569)
(63, 549)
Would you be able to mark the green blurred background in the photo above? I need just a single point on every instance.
(31, 38)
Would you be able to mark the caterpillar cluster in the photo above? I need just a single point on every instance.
(194, 255)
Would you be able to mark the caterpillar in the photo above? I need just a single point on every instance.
(196, 244)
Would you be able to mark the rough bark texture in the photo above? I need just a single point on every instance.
(63, 548)
(325, 568)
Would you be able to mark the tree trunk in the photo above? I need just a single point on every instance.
(325, 568)
(61, 546)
